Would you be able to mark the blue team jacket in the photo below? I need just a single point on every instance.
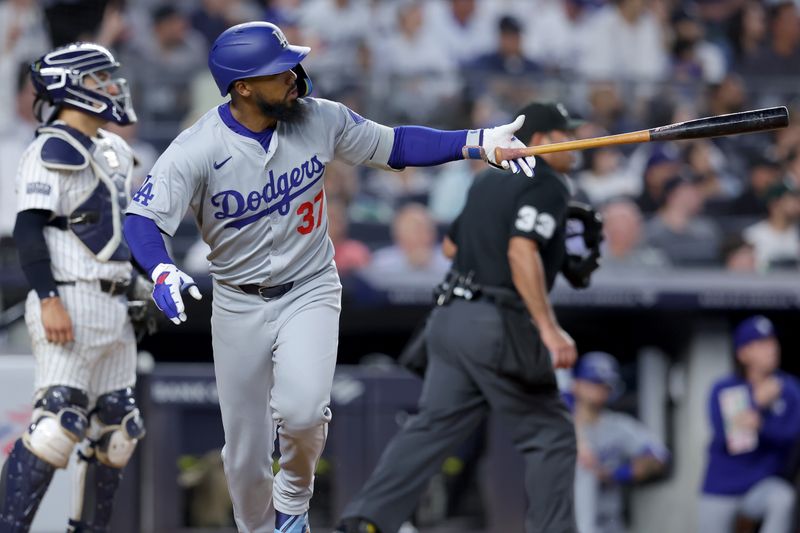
(780, 430)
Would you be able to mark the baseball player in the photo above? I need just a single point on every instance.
(72, 188)
(755, 418)
(614, 449)
(251, 171)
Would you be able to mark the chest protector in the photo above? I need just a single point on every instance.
(97, 219)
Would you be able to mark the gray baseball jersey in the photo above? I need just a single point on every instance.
(615, 438)
(259, 201)
(262, 213)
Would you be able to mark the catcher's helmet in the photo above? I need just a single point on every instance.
(59, 80)
(255, 49)
(601, 368)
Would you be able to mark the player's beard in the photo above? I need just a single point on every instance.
(283, 112)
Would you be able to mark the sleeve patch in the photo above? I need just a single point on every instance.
(529, 219)
(37, 187)
(145, 193)
(358, 119)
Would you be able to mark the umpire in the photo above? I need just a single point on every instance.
(508, 244)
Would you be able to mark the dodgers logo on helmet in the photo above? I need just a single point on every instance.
(60, 79)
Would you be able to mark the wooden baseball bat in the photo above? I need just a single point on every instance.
(744, 122)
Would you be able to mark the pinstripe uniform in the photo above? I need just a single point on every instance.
(103, 356)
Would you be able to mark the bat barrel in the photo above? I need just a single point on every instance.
(745, 122)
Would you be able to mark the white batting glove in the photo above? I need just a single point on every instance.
(482, 143)
(169, 283)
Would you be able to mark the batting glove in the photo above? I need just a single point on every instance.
(169, 283)
(482, 143)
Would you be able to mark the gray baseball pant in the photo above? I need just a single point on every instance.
(771, 500)
(274, 363)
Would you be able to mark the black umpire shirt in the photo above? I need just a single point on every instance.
(501, 205)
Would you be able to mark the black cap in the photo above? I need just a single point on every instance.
(509, 24)
(544, 117)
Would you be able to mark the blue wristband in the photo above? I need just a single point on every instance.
(623, 474)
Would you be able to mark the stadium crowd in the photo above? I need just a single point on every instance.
(620, 64)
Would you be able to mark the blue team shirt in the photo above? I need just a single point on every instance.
(728, 474)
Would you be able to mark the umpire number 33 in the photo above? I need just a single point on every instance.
(307, 210)
(529, 219)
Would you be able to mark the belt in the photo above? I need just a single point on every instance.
(106, 285)
(267, 293)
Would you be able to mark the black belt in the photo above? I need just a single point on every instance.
(267, 293)
(64, 223)
(106, 285)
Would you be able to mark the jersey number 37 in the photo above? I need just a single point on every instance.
(307, 211)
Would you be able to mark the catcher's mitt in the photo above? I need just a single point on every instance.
(586, 223)
(142, 309)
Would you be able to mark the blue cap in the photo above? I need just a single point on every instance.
(754, 328)
(601, 368)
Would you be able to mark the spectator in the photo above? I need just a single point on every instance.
(415, 260)
(13, 142)
(696, 59)
(623, 245)
(727, 96)
(777, 239)
(462, 28)
(626, 43)
(662, 164)
(708, 166)
(781, 55)
(22, 38)
(350, 254)
(161, 69)
(679, 230)
(614, 449)
(747, 31)
(607, 177)
(419, 70)
(508, 59)
(556, 37)
(213, 17)
(738, 255)
(763, 172)
(335, 29)
(793, 168)
(608, 110)
(755, 419)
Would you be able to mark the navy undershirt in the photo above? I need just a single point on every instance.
(263, 137)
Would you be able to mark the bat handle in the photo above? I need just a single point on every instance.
(504, 154)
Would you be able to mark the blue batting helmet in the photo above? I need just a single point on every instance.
(601, 368)
(59, 79)
(256, 49)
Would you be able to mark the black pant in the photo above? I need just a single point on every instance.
(465, 340)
